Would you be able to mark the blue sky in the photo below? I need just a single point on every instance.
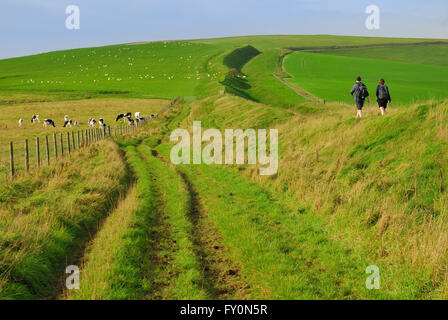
(34, 26)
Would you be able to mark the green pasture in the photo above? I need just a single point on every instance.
(332, 77)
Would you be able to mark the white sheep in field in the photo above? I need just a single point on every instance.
(21, 122)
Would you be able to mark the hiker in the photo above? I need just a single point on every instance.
(361, 93)
(382, 96)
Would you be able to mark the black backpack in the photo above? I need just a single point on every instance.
(362, 91)
(382, 93)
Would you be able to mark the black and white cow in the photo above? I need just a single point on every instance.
(35, 118)
(49, 122)
(92, 122)
(140, 120)
(102, 123)
(68, 123)
(131, 121)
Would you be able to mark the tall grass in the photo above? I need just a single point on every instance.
(46, 218)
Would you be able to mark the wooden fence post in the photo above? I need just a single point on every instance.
(27, 157)
(11, 159)
(73, 140)
(62, 145)
(108, 128)
(82, 138)
(55, 146)
(38, 152)
(48, 150)
(78, 139)
(68, 143)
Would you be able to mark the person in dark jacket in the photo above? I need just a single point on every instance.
(360, 92)
(382, 96)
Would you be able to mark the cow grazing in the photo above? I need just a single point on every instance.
(35, 118)
(68, 123)
(137, 115)
(140, 120)
(66, 118)
(92, 122)
(102, 123)
(49, 122)
(131, 121)
(21, 122)
(120, 116)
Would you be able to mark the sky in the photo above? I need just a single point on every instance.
(35, 26)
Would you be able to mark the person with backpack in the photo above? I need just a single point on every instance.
(383, 96)
(361, 93)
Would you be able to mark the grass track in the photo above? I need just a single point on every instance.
(280, 254)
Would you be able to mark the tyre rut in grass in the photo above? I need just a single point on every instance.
(221, 276)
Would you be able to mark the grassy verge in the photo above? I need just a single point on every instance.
(46, 218)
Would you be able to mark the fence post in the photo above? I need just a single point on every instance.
(82, 138)
(104, 132)
(73, 140)
(55, 146)
(38, 152)
(78, 139)
(48, 150)
(108, 129)
(68, 143)
(62, 145)
(11, 158)
(27, 157)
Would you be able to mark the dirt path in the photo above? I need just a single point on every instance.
(306, 95)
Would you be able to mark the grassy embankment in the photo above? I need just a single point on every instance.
(47, 217)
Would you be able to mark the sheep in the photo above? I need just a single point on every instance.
(35, 118)
(49, 122)
(21, 122)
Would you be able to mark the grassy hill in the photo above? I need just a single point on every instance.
(349, 192)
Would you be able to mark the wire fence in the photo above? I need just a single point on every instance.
(22, 156)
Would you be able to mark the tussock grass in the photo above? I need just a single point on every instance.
(46, 218)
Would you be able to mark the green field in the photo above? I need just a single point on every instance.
(422, 54)
(331, 77)
(349, 193)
